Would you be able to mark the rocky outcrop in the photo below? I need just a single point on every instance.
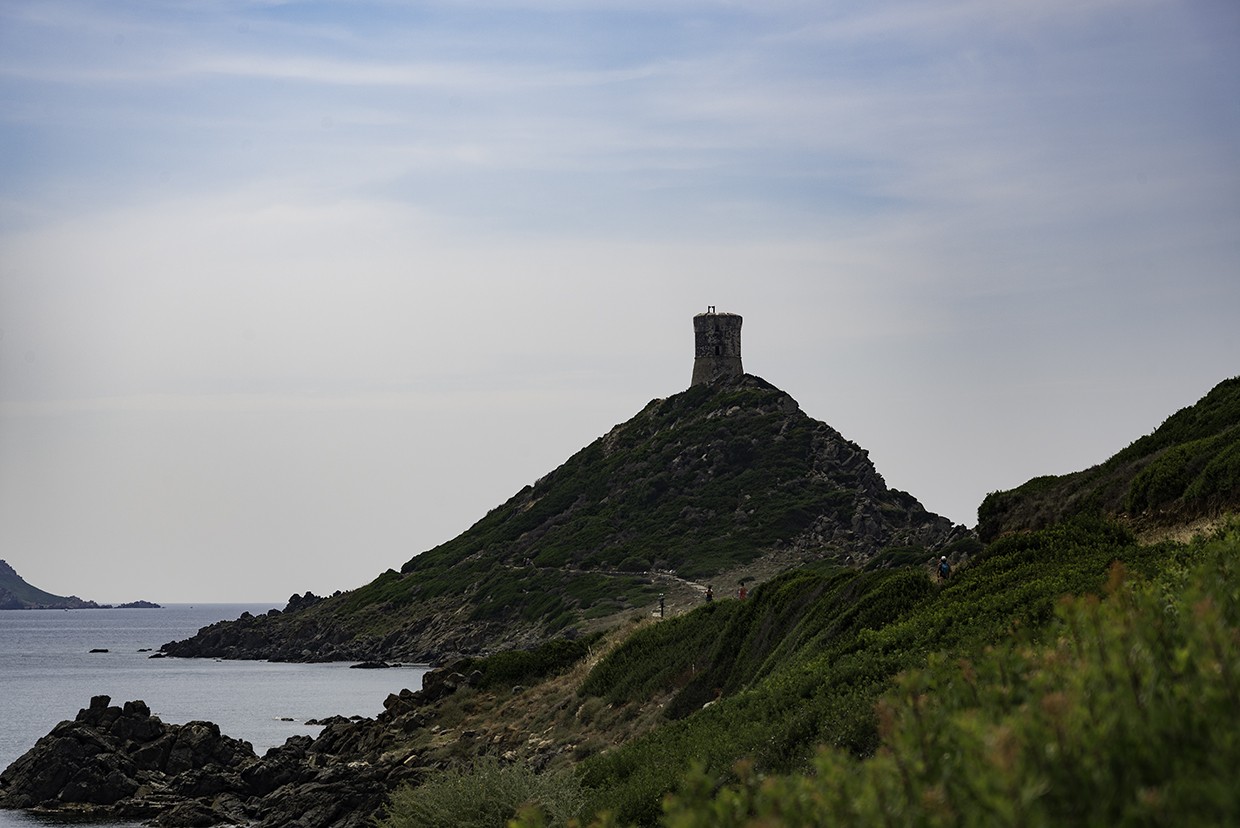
(435, 635)
(123, 762)
(297, 603)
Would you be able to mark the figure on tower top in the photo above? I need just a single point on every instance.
(717, 346)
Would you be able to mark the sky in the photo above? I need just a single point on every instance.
(293, 291)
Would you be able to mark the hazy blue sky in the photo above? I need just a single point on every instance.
(291, 291)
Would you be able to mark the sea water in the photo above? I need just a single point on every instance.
(48, 673)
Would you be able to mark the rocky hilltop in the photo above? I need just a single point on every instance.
(696, 488)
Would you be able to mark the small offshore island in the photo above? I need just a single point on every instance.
(16, 594)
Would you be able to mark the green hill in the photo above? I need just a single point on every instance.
(695, 485)
(1187, 469)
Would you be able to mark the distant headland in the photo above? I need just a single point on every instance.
(16, 594)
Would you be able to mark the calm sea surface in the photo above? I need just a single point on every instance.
(47, 673)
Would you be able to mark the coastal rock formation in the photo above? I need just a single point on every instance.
(123, 762)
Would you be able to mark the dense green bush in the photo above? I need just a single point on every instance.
(659, 657)
(485, 795)
(513, 667)
(1219, 481)
(1178, 473)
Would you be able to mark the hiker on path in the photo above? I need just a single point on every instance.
(945, 569)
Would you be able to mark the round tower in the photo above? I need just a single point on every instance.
(717, 346)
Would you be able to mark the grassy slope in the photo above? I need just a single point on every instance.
(1188, 468)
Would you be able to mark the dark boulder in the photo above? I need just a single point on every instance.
(194, 813)
(107, 755)
(296, 602)
(284, 765)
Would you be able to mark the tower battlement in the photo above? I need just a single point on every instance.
(717, 346)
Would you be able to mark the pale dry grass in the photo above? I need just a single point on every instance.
(1202, 527)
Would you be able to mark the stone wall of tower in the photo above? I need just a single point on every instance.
(717, 347)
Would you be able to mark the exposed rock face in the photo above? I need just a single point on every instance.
(438, 633)
(297, 603)
(123, 762)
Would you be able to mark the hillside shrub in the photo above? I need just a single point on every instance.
(702, 481)
(485, 795)
(1218, 485)
(512, 667)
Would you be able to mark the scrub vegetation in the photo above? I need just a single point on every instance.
(1070, 674)
(1066, 676)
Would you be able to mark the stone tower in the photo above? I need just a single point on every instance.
(717, 346)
